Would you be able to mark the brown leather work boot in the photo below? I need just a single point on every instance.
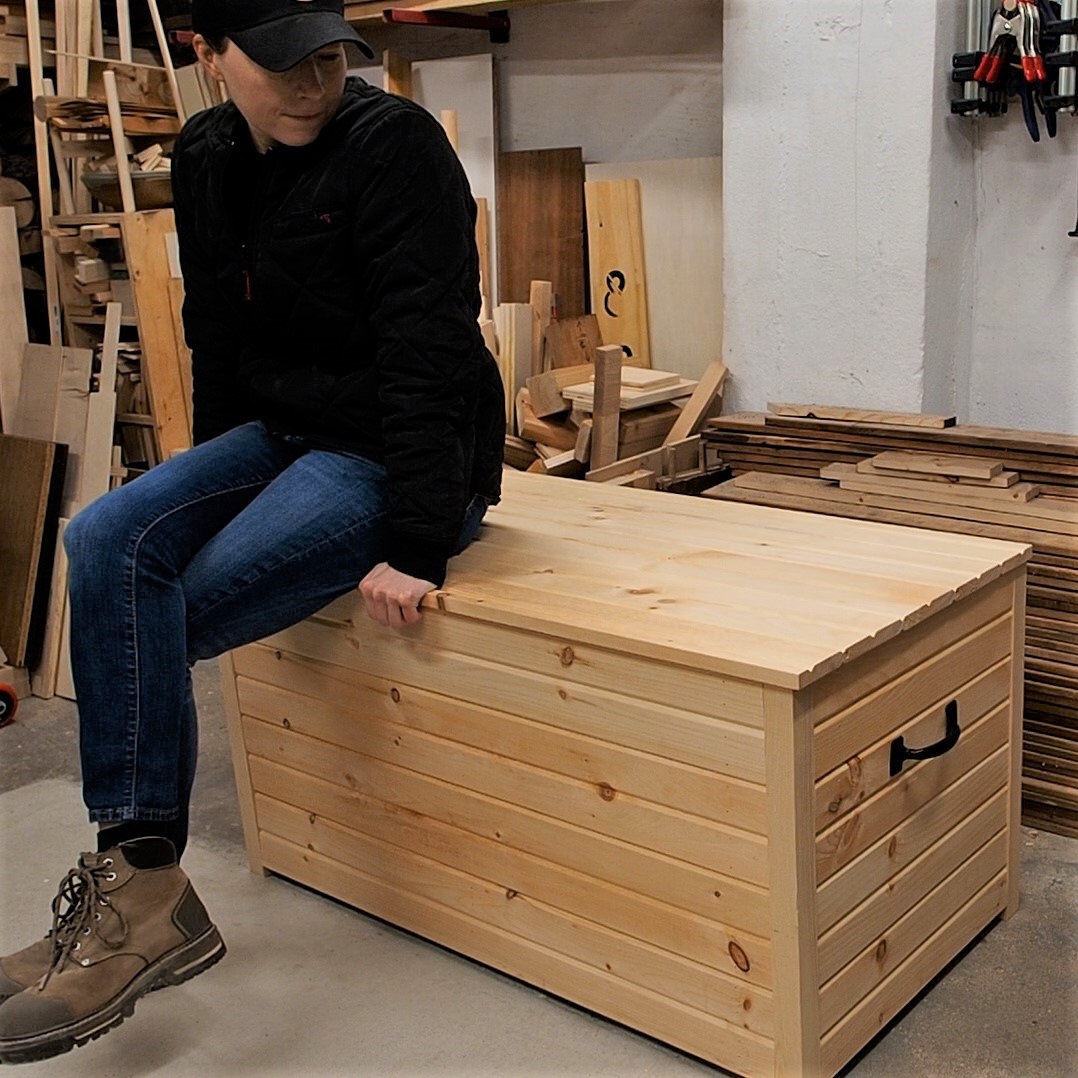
(132, 923)
(25, 967)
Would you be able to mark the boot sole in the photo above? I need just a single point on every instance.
(188, 961)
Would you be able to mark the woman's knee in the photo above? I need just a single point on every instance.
(91, 531)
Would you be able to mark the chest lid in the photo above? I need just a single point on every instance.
(775, 595)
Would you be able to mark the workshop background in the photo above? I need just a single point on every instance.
(821, 225)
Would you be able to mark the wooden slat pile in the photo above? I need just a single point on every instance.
(968, 490)
(800, 445)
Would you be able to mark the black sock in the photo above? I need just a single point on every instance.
(174, 830)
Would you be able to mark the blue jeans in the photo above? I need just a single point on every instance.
(229, 542)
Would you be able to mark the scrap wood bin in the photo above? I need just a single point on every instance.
(741, 778)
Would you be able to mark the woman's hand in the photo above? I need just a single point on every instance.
(391, 597)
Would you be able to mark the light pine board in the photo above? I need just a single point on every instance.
(681, 204)
(618, 278)
(642, 567)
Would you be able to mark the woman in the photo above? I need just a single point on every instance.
(348, 425)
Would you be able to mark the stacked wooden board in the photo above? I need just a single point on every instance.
(1000, 483)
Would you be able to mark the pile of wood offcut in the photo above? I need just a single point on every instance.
(930, 472)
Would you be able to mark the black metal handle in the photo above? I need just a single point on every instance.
(951, 731)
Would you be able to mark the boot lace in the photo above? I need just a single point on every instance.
(77, 909)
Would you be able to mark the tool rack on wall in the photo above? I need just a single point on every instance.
(1023, 48)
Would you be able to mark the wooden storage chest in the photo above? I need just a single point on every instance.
(641, 752)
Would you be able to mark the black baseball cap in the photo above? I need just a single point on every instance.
(276, 34)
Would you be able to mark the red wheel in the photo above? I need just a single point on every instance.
(9, 704)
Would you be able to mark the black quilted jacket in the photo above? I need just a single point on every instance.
(332, 292)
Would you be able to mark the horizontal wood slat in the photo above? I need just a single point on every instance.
(608, 768)
(869, 770)
(850, 935)
(545, 914)
(639, 1008)
(716, 910)
(915, 786)
(882, 1005)
(713, 744)
(571, 661)
(896, 849)
(885, 953)
(872, 716)
(711, 846)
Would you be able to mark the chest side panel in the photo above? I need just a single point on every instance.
(587, 819)
(912, 854)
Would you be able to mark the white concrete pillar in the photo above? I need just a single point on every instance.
(831, 115)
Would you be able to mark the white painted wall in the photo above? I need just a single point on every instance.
(1024, 365)
(878, 251)
(626, 80)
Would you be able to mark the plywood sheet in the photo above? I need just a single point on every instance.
(681, 203)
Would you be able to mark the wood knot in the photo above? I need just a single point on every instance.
(892, 847)
(395, 695)
(286, 723)
(741, 960)
(607, 792)
(567, 656)
(881, 951)
(312, 818)
(562, 694)
(510, 893)
(747, 1005)
(278, 655)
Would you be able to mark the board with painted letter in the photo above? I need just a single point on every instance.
(619, 294)
(681, 210)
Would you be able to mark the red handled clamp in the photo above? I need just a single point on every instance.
(1014, 29)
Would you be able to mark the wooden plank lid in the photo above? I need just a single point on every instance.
(777, 596)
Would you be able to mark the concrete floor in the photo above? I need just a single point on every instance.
(313, 988)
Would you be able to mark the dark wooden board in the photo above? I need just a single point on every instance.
(31, 485)
(541, 226)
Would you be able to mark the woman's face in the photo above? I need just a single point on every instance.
(287, 108)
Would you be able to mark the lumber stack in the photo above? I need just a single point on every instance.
(801, 445)
(975, 493)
